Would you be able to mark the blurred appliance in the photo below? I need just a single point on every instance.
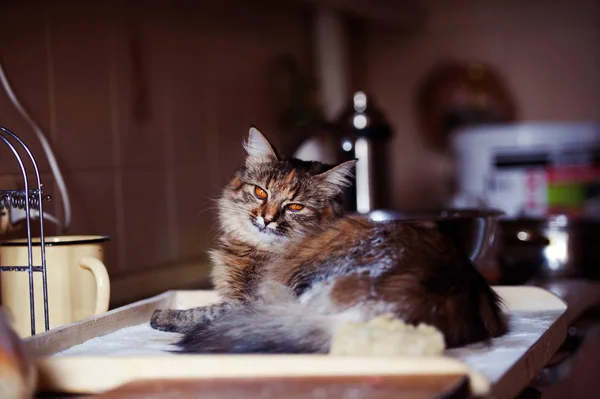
(529, 169)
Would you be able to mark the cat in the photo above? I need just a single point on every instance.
(290, 267)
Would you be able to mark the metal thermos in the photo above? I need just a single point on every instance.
(363, 133)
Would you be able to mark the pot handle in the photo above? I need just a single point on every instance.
(528, 237)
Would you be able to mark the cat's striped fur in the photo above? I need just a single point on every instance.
(289, 278)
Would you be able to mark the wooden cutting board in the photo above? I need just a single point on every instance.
(105, 352)
(414, 387)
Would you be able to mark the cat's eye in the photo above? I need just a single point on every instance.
(295, 207)
(260, 193)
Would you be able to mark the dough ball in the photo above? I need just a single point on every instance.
(385, 335)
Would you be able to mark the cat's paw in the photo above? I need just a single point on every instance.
(180, 320)
(165, 320)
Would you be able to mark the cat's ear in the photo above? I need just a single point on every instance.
(337, 178)
(258, 148)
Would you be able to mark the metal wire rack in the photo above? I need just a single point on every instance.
(31, 197)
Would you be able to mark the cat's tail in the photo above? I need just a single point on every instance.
(276, 324)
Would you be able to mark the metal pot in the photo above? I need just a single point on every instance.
(472, 230)
(545, 249)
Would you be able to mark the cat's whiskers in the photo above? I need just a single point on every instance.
(210, 208)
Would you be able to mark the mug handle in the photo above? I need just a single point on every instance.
(102, 282)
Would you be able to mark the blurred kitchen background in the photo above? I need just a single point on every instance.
(146, 104)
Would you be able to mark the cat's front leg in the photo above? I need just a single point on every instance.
(180, 320)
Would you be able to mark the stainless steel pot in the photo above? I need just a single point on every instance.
(472, 230)
(546, 249)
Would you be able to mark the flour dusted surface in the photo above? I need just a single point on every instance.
(492, 361)
(526, 327)
(130, 341)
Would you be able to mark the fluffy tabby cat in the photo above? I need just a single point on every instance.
(290, 267)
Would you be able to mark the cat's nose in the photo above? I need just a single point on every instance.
(268, 218)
